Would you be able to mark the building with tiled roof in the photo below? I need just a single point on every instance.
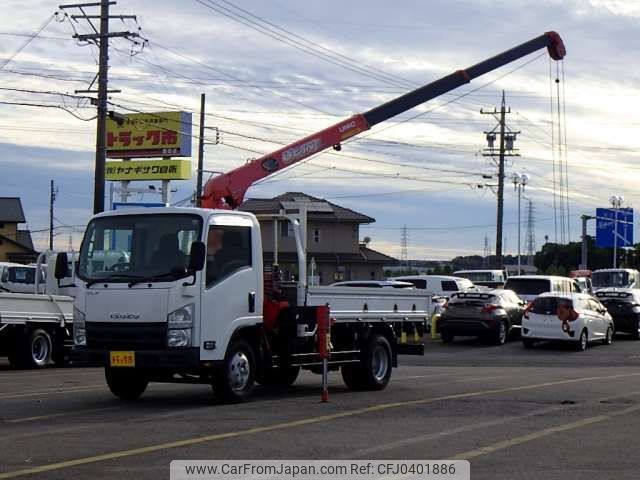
(15, 243)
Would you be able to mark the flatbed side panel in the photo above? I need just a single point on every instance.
(371, 302)
(20, 308)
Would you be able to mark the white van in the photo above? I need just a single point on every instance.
(437, 284)
(484, 278)
(17, 278)
(528, 287)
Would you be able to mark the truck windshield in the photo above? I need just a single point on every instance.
(610, 279)
(25, 275)
(126, 247)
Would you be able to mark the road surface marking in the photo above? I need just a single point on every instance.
(288, 425)
(53, 391)
(60, 414)
(368, 452)
(541, 433)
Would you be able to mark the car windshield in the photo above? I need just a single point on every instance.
(126, 247)
(610, 279)
(25, 275)
(528, 286)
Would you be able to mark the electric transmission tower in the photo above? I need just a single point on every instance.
(531, 232)
(404, 243)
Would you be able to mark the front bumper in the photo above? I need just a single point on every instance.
(173, 359)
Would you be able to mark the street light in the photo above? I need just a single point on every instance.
(520, 180)
(616, 203)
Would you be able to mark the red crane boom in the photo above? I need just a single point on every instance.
(227, 191)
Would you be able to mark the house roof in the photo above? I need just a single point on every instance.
(364, 255)
(24, 246)
(24, 238)
(11, 210)
(319, 208)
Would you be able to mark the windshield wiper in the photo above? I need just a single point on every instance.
(106, 279)
(153, 278)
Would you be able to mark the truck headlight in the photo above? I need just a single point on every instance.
(180, 326)
(179, 337)
(182, 317)
(79, 328)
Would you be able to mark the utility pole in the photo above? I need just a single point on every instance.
(100, 37)
(200, 153)
(583, 261)
(52, 198)
(505, 149)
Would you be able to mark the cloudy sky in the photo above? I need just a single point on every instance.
(276, 70)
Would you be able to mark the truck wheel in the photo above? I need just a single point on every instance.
(125, 383)
(374, 369)
(234, 382)
(36, 352)
(281, 377)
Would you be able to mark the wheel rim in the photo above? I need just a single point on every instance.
(583, 340)
(239, 371)
(503, 332)
(40, 350)
(610, 335)
(379, 363)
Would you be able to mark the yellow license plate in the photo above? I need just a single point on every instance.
(122, 359)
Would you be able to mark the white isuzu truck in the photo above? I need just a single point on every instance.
(190, 301)
(191, 304)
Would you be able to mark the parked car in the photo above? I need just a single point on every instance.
(437, 284)
(624, 306)
(484, 278)
(528, 287)
(373, 284)
(615, 277)
(492, 315)
(18, 278)
(567, 317)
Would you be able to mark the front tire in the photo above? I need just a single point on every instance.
(527, 343)
(126, 383)
(234, 382)
(583, 341)
(447, 337)
(635, 334)
(373, 372)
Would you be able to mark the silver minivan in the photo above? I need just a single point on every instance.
(528, 287)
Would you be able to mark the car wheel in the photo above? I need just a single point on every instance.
(636, 330)
(583, 341)
(501, 334)
(527, 343)
(126, 383)
(234, 381)
(447, 337)
(608, 339)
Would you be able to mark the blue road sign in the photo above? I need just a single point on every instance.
(606, 226)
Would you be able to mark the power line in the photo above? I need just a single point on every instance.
(26, 43)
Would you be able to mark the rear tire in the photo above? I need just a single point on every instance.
(583, 341)
(501, 334)
(32, 350)
(447, 337)
(373, 372)
(234, 381)
(635, 334)
(126, 383)
(608, 339)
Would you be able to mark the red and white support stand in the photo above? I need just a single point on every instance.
(324, 347)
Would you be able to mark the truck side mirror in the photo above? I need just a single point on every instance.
(197, 256)
(62, 266)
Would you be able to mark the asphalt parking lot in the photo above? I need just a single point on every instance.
(514, 413)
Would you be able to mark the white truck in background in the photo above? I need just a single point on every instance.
(36, 328)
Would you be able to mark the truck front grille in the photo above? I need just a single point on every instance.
(126, 336)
